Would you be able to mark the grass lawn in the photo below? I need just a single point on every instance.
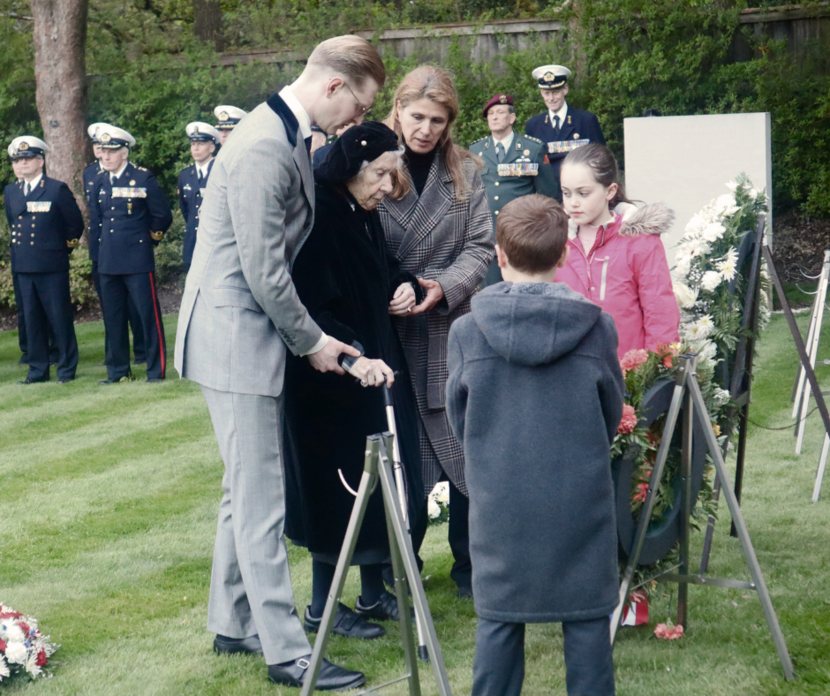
(108, 500)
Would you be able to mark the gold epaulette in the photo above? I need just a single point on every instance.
(157, 236)
(535, 140)
(480, 140)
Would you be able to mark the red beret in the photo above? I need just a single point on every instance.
(498, 99)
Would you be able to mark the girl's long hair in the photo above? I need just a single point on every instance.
(430, 82)
(604, 167)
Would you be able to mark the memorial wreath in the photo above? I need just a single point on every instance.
(24, 650)
(709, 284)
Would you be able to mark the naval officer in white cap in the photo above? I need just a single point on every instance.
(133, 216)
(204, 139)
(226, 119)
(561, 127)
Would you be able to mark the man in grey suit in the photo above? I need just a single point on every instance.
(240, 314)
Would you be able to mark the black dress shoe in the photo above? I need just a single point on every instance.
(385, 609)
(155, 379)
(126, 378)
(331, 677)
(65, 380)
(228, 646)
(465, 592)
(346, 623)
(140, 361)
(33, 381)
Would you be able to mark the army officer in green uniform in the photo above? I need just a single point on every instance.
(513, 165)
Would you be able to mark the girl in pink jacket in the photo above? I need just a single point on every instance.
(616, 258)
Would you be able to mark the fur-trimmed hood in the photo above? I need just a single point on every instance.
(655, 218)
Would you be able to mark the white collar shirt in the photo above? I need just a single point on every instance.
(33, 183)
(562, 114)
(203, 169)
(115, 175)
(297, 109)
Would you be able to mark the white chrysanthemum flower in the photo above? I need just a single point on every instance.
(31, 665)
(685, 296)
(753, 193)
(732, 185)
(695, 225)
(442, 493)
(16, 653)
(721, 396)
(4, 668)
(726, 206)
(683, 265)
(697, 247)
(711, 280)
(433, 509)
(13, 633)
(728, 265)
(713, 232)
(700, 329)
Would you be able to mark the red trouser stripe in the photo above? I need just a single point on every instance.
(162, 347)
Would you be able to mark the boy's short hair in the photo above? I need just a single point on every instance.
(532, 231)
(352, 57)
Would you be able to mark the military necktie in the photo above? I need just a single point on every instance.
(556, 124)
(308, 145)
(500, 152)
(201, 178)
(27, 189)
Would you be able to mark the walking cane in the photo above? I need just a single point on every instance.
(400, 484)
(347, 362)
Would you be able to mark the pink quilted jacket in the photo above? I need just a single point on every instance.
(627, 274)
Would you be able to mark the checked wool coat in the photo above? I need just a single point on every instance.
(437, 237)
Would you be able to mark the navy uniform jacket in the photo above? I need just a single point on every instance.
(91, 176)
(524, 171)
(45, 226)
(580, 128)
(190, 194)
(133, 215)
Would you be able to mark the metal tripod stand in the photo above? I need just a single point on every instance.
(687, 390)
(377, 469)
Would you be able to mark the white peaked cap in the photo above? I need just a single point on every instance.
(205, 130)
(26, 142)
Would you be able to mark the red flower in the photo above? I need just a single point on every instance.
(641, 496)
(668, 632)
(628, 421)
(633, 359)
(2, 645)
(40, 661)
(25, 627)
(10, 615)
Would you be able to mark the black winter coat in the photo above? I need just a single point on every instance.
(345, 277)
(535, 395)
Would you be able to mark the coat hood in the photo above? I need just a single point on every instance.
(533, 323)
(655, 218)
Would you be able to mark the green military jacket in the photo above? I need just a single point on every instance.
(522, 172)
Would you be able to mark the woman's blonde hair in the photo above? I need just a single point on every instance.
(430, 82)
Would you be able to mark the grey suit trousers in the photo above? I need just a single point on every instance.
(250, 584)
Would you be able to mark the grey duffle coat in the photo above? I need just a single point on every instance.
(535, 394)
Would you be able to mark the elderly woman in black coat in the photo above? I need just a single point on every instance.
(351, 286)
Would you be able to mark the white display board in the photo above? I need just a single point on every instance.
(684, 161)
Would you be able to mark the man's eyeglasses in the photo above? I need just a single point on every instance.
(364, 110)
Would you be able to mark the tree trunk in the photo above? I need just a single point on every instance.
(207, 24)
(60, 71)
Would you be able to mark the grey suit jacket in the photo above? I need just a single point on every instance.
(240, 311)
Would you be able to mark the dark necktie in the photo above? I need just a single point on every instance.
(308, 145)
(27, 189)
(201, 178)
(500, 152)
(556, 124)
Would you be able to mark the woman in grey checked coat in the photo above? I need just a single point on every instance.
(441, 231)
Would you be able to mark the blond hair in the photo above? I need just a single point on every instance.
(430, 82)
(350, 56)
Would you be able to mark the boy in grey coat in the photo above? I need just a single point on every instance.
(535, 395)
